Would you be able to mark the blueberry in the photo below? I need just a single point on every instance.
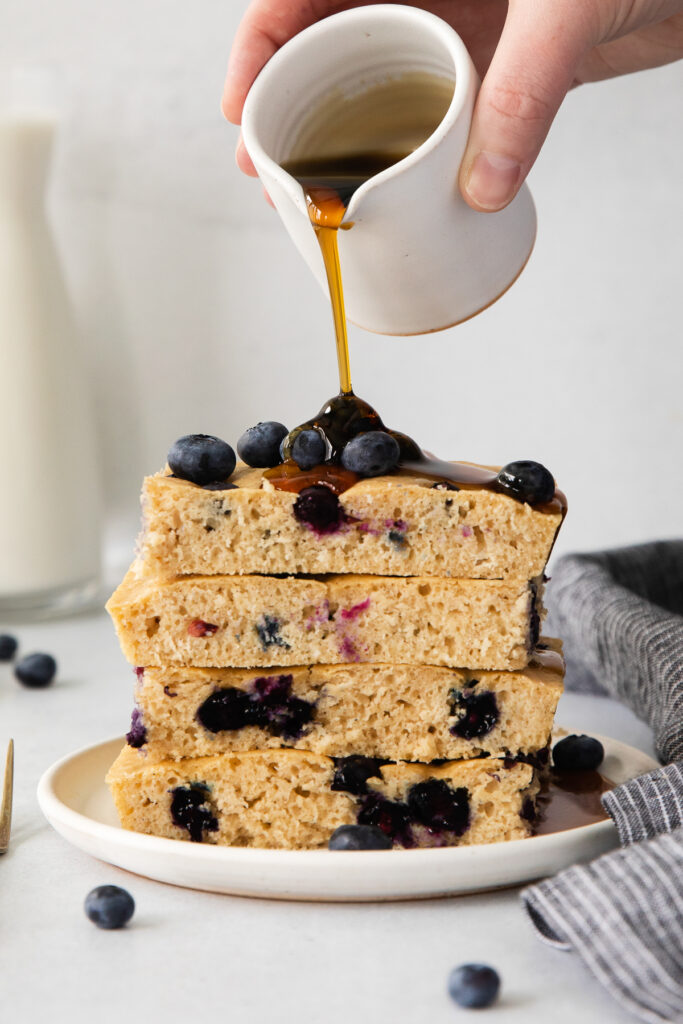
(528, 811)
(201, 458)
(8, 646)
(259, 446)
(359, 837)
(290, 721)
(371, 454)
(109, 906)
(220, 485)
(137, 735)
(527, 481)
(226, 709)
(190, 809)
(268, 632)
(391, 816)
(474, 986)
(578, 754)
(352, 773)
(318, 507)
(309, 449)
(278, 710)
(268, 704)
(439, 807)
(36, 670)
(476, 713)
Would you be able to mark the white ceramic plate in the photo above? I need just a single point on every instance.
(75, 800)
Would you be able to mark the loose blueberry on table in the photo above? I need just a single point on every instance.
(36, 670)
(259, 446)
(578, 754)
(201, 459)
(474, 986)
(359, 837)
(109, 906)
(8, 646)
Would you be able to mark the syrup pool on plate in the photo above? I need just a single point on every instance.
(571, 799)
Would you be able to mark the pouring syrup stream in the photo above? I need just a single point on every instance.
(328, 183)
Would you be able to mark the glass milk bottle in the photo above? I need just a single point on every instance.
(49, 486)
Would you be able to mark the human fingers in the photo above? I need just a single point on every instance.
(647, 46)
(243, 160)
(531, 72)
(265, 27)
(244, 163)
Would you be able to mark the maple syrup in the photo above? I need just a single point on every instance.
(569, 800)
(545, 657)
(347, 415)
(288, 477)
(346, 141)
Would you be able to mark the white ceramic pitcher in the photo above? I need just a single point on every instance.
(418, 258)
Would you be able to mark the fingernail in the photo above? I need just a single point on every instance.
(492, 180)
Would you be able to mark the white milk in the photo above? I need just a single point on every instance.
(49, 486)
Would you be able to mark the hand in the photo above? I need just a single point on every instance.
(529, 53)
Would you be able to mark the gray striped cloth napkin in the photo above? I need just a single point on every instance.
(620, 615)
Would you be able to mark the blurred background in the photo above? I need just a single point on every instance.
(198, 315)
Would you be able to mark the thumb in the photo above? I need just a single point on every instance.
(532, 70)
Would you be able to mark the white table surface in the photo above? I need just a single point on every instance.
(191, 956)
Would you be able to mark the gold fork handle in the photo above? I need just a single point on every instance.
(6, 807)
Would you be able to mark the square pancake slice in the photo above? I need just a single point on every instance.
(395, 712)
(254, 621)
(292, 799)
(397, 525)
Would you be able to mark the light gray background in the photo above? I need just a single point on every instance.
(199, 315)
